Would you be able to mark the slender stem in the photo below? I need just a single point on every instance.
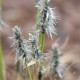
(42, 37)
(0, 3)
(28, 71)
(41, 44)
(2, 66)
(1, 62)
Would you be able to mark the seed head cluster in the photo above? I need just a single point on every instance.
(26, 49)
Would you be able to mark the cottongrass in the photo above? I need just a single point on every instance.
(36, 52)
(46, 20)
(56, 66)
(26, 49)
(20, 45)
(29, 50)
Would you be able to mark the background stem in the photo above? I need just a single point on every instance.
(2, 66)
(0, 3)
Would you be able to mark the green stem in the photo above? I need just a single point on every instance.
(42, 35)
(41, 44)
(0, 3)
(2, 67)
(42, 38)
(28, 71)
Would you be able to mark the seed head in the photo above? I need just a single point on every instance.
(36, 52)
(56, 66)
(46, 19)
(21, 46)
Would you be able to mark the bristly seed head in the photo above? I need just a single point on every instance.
(56, 65)
(26, 50)
(21, 46)
(46, 19)
(36, 52)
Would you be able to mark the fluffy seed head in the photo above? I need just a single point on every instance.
(56, 65)
(36, 52)
(46, 19)
(21, 46)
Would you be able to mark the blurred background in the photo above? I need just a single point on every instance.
(22, 13)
